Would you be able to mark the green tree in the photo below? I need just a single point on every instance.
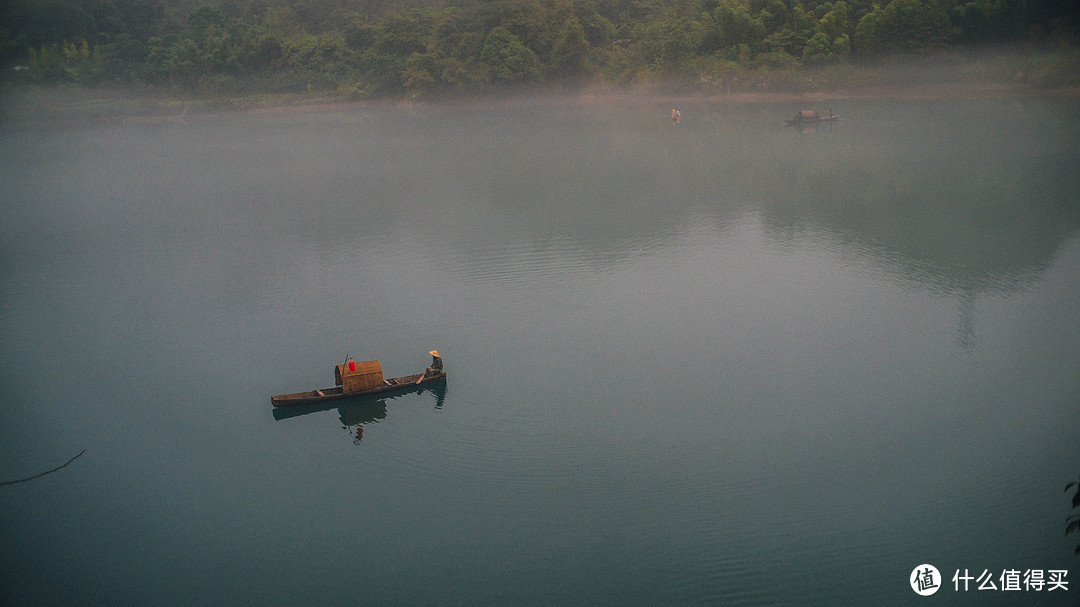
(317, 62)
(599, 31)
(571, 50)
(319, 16)
(1009, 18)
(668, 44)
(122, 61)
(507, 59)
(402, 34)
(841, 46)
(393, 46)
(420, 73)
(904, 26)
(359, 35)
(972, 22)
(398, 37)
(835, 22)
(737, 25)
(817, 50)
(447, 31)
(774, 15)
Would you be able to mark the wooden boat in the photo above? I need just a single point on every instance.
(354, 379)
(356, 407)
(808, 117)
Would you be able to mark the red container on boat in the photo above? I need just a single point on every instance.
(352, 365)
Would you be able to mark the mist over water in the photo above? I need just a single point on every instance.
(721, 363)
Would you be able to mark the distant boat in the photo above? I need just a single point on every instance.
(808, 117)
(361, 379)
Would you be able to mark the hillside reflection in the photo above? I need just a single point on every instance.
(958, 196)
(953, 221)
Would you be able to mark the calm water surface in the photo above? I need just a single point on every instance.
(724, 363)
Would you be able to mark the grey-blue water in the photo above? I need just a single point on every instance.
(726, 363)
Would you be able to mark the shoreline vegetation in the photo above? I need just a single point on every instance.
(168, 57)
(939, 78)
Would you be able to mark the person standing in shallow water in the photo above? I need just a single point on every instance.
(675, 115)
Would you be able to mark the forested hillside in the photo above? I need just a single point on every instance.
(416, 47)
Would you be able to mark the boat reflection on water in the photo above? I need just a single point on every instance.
(353, 413)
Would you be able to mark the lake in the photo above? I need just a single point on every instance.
(726, 362)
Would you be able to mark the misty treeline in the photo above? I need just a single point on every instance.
(392, 47)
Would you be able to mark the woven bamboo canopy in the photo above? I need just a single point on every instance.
(367, 375)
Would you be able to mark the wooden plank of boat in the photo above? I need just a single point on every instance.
(329, 394)
(362, 403)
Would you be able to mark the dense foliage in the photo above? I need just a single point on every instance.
(378, 47)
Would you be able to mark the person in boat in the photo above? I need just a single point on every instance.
(436, 367)
(675, 115)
